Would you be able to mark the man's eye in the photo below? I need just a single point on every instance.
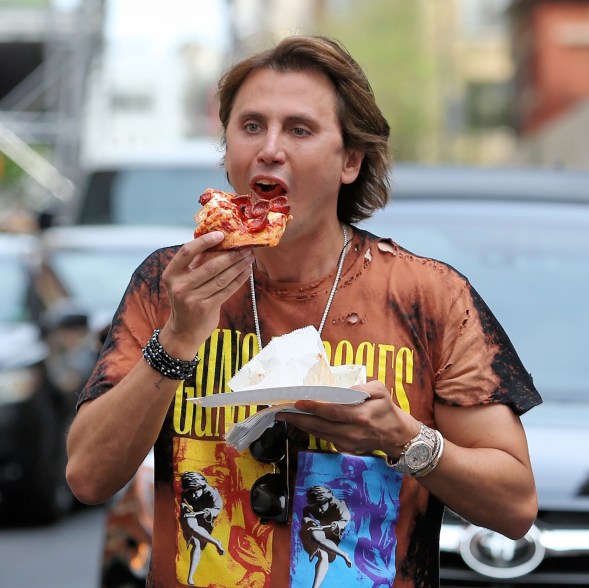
(251, 127)
(299, 132)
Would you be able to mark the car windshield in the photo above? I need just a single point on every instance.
(78, 268)
(528, 262)
(13, 287)
(162, 196)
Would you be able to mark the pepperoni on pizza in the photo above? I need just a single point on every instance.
(247, 221)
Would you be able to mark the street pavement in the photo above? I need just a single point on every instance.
(63, 555)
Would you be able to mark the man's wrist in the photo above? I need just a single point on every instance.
(181, 345)
(420, 455)
(170, 367)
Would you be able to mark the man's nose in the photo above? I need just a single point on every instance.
(272, 149)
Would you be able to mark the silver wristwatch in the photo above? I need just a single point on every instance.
(417, 454)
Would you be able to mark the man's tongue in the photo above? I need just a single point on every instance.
(268, 191)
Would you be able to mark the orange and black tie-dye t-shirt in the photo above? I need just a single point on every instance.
(415, 323)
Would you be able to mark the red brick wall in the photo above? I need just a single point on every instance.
(552, 49)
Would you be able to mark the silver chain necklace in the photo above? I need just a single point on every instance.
(340, 267)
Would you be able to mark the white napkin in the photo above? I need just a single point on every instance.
(295, 359)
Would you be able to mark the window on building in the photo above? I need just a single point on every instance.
(488, 105)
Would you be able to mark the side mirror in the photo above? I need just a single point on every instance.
(72, 346)
(64, 314)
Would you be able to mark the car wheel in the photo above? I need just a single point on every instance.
(45, 487)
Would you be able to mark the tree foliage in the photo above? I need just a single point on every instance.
(387, 39)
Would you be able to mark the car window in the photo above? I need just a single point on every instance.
(148, 196)
(96, 279)
(13, 291)
(529, 263)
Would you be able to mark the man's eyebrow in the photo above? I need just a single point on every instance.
(250, 114)
(302, 119)
(291, 119)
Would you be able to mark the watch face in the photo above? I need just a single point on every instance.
(418, 456)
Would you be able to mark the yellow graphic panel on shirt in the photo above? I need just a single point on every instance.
(226, 351)
(220, 542)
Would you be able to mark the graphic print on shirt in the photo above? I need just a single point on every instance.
(219, 541)
(226, 351)
(343, 526)
(237, 549)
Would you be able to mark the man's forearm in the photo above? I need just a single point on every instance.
(110, 436)
(487, 487)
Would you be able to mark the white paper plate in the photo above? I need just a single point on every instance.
(287, 394)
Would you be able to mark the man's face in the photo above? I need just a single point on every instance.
(283, 137)
(195, 493)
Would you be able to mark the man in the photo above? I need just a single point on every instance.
(200, 505)
(324, 520)
(446, 387)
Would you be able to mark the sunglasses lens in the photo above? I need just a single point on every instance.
(269, 498)
(270, 446)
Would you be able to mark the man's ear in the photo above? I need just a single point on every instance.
(351, 165)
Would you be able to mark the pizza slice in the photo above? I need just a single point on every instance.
(247, 221)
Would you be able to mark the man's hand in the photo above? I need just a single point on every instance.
(198, 282)
(376, 424)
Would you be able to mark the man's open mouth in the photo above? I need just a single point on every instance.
(268, 189)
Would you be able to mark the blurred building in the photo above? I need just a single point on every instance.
(155, 79)
(441, 70)
(551, 51)
(509, 79)
(45, 48)
(513, 78)
(474, 71)
(152, 79)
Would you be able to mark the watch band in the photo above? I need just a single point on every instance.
(425, 450)
(393, 463)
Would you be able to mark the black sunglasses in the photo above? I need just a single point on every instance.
(270, 494)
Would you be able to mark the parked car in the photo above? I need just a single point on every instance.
(57, 296)
(34, 408)
(522, 238)
(149, 186)
(94, 263)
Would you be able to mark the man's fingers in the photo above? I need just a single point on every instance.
(213, 267)
(192, 249)
(341, 413)
(219, 280)
(198, 266)
(230, 281)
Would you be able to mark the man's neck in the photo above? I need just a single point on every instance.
(302, 258)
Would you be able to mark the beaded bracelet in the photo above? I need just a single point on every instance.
(176, 369)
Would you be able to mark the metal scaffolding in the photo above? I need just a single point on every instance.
(46, 107)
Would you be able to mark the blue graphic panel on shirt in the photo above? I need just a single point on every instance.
(344, 521)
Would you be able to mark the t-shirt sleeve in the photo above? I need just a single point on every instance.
(478, 363)
(142, 309)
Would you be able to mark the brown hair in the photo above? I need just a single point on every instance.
(362, 123)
